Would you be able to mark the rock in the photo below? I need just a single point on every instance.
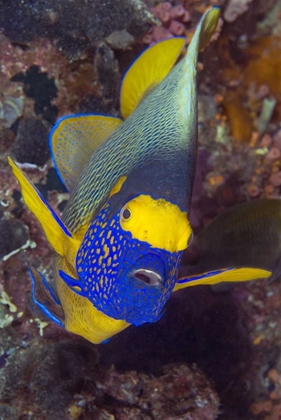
(181, 392)
(120, 40)
(73, 25)
(31, 143)
(41, 88)
(14, 234)
(7, 412)
(43, 377)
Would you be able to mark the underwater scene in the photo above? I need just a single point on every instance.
(140, 210)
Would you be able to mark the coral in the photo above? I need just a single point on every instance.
(47, 82)
(5, 300)
(175, 18)
(6, 317)
(268, 166)
(65, 84)
(173, 22)
(235, 8)
(262, 176)
(179, 391)
(10, 109)
(50, 379)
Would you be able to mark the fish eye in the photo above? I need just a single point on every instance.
(126, 213)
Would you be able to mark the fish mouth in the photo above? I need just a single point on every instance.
(149, 277)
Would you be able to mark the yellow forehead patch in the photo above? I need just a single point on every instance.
(160, 223)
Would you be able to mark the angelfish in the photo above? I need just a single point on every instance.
(120, 241)
(241, 244)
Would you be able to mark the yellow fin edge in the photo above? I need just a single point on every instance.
(235, 275)
(147, 71)
(58, 235)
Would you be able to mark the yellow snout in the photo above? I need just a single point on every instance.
(160, 223)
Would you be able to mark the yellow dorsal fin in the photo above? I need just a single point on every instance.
(58, 235)
(235, 275)
(147, 71)
(73, 140)
(153, 65)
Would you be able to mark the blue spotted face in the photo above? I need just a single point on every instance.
(124, 277)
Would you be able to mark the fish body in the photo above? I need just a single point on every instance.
(130, 258)
(120, 241)
(243, 243)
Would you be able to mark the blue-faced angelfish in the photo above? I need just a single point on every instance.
(241, 244)
(120, 241)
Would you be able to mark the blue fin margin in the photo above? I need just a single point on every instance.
(43, 308)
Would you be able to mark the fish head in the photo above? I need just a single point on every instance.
(129, 258)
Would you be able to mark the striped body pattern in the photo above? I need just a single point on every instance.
(144, 136)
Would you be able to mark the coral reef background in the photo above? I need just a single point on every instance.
(212, 355)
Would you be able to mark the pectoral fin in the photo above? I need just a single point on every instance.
(72, 283)
(235, 275)
(73, 140)
(58, 235)
(46, 298)
(147, 71)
